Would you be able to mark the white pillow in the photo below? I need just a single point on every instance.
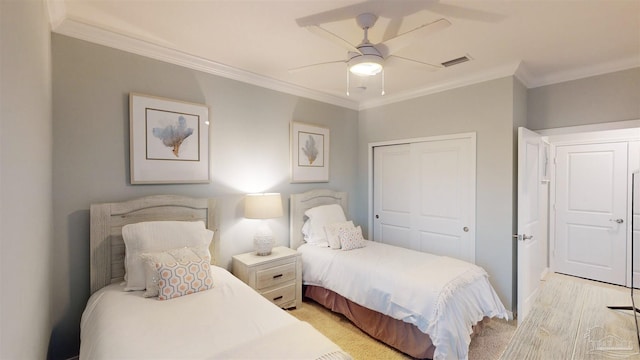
(332, 232)
(321, 216)
(175, 256)
(155, 236)
(351, 238)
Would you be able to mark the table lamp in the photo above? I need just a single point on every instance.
(263, 206)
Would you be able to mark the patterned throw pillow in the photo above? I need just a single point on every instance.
(351, 238)
(180, 255)
(181, 279)
(332, 232)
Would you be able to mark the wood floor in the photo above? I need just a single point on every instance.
(570, 320)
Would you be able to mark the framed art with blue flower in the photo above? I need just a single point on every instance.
(169, 141)
(309, 153)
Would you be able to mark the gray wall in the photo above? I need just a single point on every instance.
(25, 180)
(488, 110)
(593, 100)
(249, 152)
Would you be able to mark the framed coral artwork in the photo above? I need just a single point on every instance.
(168, 141)
(309, 153)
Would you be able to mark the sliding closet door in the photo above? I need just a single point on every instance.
(392, 194)
(424, 196)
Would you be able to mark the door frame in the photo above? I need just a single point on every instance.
(585, 135)
(469, 135)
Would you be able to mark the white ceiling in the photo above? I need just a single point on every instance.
(540, 41)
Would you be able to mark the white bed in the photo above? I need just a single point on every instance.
(433, 301)
(228, 321)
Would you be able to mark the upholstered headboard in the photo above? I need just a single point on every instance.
(106, 244)
(304, 201)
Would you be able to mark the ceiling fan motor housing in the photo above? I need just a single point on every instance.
(367, 63)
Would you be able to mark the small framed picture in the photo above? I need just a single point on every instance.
(169, 141)
(309, 153)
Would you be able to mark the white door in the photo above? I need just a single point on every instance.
(443, 221)
(636, 230)
(532, 217)
(591, 211)
(392, 194)
(634, 167)
(424, 196)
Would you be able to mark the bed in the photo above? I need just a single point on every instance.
(424, 305)
(222, 319)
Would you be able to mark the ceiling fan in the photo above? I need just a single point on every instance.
(367, 59)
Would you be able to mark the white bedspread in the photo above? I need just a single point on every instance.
(442, 296)
(229, 321)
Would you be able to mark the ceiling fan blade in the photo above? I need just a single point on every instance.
(306, 67)
(392, 45)
(332, 37)
(426, 66)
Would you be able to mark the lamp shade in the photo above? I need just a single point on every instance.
(263, 206)
(366, 65)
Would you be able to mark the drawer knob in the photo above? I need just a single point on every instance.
(277, 298)
(277, 276)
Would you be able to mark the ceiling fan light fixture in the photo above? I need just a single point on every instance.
(366, 65)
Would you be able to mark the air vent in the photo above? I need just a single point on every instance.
(456, 61)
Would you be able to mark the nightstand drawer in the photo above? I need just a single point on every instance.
(281, 295)
(275, 275)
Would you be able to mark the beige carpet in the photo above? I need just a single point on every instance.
(489, 345)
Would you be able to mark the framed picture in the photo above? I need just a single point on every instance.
(309, 153)
(168, 141)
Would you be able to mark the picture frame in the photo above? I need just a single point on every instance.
(310, 145)
(168, 141)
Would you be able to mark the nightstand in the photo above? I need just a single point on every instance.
(277, 277)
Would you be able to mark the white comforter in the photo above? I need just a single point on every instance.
(230, 321)
(440, 295)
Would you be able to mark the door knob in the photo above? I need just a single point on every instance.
(619, 221)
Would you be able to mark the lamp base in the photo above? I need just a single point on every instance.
(263, 245)
(263, 240)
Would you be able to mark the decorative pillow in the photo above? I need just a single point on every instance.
(320, 216)
(183, 279)
(155, 236)
(181, 255)
(332, 232)
(351, 238)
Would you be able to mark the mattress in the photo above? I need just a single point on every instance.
(226, 322)
(443, 297)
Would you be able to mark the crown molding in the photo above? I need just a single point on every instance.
(57, 11)
(83, 31)
(585, 72)
(523, 74)
(490, 74)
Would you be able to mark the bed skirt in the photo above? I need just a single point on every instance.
(398, 334)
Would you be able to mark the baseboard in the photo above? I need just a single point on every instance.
(544, 273)
(510, 315)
